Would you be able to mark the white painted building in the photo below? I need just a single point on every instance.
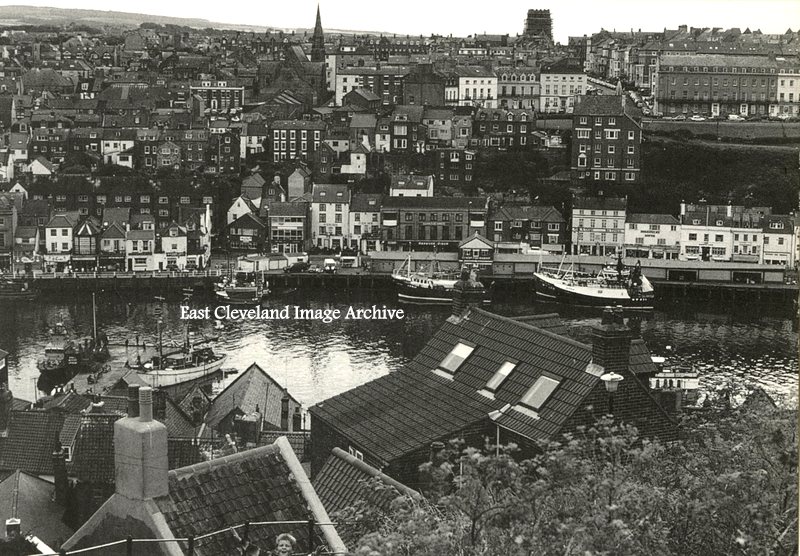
(330, 215)
(477, 86)
(652, 236)
(779, 241)
(598, 225)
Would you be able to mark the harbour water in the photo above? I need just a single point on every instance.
(316, 360)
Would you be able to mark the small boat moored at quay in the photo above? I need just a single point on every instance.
(431, 285)
(14, 289)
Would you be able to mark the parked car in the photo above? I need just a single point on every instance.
(680, 118)
(735, 118)
(314, 269)
(697, 118)
(297, 267)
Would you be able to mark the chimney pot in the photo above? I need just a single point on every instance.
(145, 404)
(12, 527)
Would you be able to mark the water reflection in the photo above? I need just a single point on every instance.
(316, 360)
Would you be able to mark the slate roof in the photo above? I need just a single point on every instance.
(407, 181)
(32, 438)
(361, 202)
(343, 481)
(252, 388)
(255, 485)
(329, 193)
(434, 203)
(287, 209)
(600, 203)
(530, 212)
(602, 105)
(29, 499)
(247, 220)
(637, 218)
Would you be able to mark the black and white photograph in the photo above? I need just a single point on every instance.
(338, 277)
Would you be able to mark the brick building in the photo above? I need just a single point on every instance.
(606, 140)
(716, 85)
(295, 139)
(431, 223)
(504, 129)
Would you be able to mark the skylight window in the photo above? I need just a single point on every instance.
(539, 393)
(500, 376)
(454, 359)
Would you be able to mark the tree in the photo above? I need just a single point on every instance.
(729, 486)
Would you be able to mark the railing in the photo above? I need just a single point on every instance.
(191, 540)
(38, 274)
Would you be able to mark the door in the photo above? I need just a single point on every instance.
(706, 253)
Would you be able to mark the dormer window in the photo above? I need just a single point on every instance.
(451, 363)
(720, 223)
(537, 395)
(497, 379)
(776, 225)
(696, 222)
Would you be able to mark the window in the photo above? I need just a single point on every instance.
(454, 359)
(538, 394)
(631, 135)
(498, 378)
(692, 237)
(718, 238)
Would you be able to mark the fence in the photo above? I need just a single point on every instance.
(190, 541)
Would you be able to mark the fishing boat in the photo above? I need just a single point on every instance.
(236, 292)
(16, 289)
(190, 362)
(621, 286)
(429, 285)
(65, 356)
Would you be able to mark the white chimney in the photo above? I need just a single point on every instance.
(683, 208)
(140, 453)
(729, 210)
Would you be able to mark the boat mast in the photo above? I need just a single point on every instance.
(94, 319)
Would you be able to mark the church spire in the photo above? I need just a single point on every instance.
(318, 41)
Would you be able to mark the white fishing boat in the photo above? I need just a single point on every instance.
(190, 362)
(623, 286)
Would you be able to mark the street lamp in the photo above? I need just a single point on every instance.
(611, 381)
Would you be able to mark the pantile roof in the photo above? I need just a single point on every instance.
(32, 438)
(344, 480)
(255, 485)
(409, 408)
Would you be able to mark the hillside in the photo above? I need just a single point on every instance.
(62, 17)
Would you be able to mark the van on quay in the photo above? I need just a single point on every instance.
(330, 266)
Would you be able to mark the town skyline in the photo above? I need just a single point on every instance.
(769, 16)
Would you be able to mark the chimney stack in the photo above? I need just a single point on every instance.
(611, 342)
(285, 411)
(160, 405)
(60, 476)
(467, 293)
(140, 453)
(133, 400)
(6, 403)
